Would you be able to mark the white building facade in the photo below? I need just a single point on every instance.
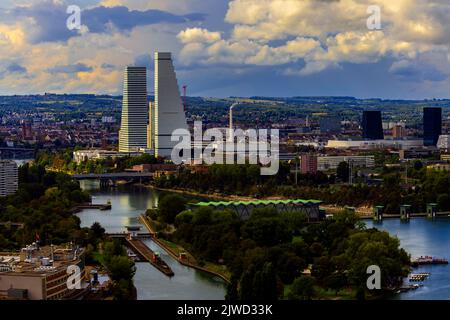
(167, 111)
(9, 178)
(332, 162)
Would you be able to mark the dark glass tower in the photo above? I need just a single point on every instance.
(432, 125)
(372, 125)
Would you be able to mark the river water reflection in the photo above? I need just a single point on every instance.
(420, 237)
(127, 204)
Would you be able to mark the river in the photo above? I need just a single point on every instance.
(127, 204)
(420, 237)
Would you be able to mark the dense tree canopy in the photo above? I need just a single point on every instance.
(268, 253)
(43, 204)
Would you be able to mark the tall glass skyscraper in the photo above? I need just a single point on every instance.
(135, 110)
(372, 125)
(432, 125)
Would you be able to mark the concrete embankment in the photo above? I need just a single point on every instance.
(174, 255)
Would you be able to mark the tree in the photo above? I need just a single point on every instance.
(336, 281)
(443, 201)
(113, 248)
(265, 283)
(343, 171)
(302, 288)
(121, 267)
(322, 268)
(170, 206)
(96, 233)
(267, 231)
(418, 165)
(98, 230)
(232, 289)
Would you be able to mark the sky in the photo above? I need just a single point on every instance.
(227, 48)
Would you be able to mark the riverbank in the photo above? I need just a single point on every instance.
(214, 196)
(128, 202)
(331, 209)
(181, 255)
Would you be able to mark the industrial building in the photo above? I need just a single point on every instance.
(39, 273)
(9, 178)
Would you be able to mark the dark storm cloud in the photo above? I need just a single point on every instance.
(50, 19)
(108, 66)
(98, 19)
(416, 71)
(15, 68)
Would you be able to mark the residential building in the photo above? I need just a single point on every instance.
(443, 142)
(9, 178)
(308, 163)
(398, 131)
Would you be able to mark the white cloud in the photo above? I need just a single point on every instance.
(326, 33)
(198, 35)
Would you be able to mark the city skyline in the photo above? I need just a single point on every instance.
(230, 48)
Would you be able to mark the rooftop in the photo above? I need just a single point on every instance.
(34, 260)
(256, 202)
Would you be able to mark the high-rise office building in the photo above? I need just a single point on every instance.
(168, 108)
(134, 122)
(432, 125)
(372, 125)
(9, 179)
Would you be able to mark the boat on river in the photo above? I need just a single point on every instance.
(426, 260)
